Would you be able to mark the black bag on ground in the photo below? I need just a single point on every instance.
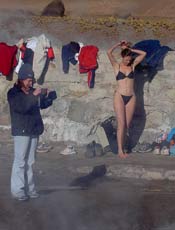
(110, 131)
(94, 149)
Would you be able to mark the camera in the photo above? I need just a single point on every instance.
(47, 98)
(44, 91)
(52, 95)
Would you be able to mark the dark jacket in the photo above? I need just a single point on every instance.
(25, 114)
(155, 53)
(68, 55)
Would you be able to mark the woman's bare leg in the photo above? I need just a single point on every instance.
(119, 109)
(130, 108)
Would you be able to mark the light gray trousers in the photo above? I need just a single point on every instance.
(22, 181)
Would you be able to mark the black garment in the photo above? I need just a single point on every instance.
(121, 75)
(68, 55)
(126, 99)
(25, 112)
(155, 53)
(28, 56)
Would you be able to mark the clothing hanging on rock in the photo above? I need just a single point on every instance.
(40, 54)
(155, 53)
(28, 56)
(88, 62)
(36, 51)
(68, 55)
(7, 58)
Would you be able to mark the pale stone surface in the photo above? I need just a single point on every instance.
(138, 172)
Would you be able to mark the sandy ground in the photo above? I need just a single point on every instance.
(107, 203)
(20, 18)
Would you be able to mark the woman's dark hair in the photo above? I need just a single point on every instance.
(19, 83)
(126, 52)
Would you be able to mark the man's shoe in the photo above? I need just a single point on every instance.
(33, 195)
(43, 148)
(21, 198)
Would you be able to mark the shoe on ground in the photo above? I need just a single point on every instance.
(107, 149)
(47, 146)
(136, 148)
(156, 151)
(33, 195)
(164, 151)
(145, 148)
(21, 198)
(69, 150)
(43, 148)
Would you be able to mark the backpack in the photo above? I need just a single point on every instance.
(94, 149)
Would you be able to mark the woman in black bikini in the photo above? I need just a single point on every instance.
(124, 97)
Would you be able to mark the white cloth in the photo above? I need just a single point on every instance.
(31, 43)
(40, 55)
(20, 62)
(77, 54)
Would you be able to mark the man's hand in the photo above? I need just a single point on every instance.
(37, 92)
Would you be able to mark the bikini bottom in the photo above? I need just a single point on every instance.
(126, 99)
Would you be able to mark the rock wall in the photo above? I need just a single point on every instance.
(159, 98)
(78, 110)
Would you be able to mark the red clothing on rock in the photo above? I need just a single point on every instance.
(88, 62)
(88, 57)
(7, 58)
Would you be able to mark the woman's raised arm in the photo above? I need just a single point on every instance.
(139, 58)
(111, 56)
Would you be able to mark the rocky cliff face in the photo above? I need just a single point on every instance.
(78, 110)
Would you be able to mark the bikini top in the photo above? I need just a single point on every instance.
(121, 75)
